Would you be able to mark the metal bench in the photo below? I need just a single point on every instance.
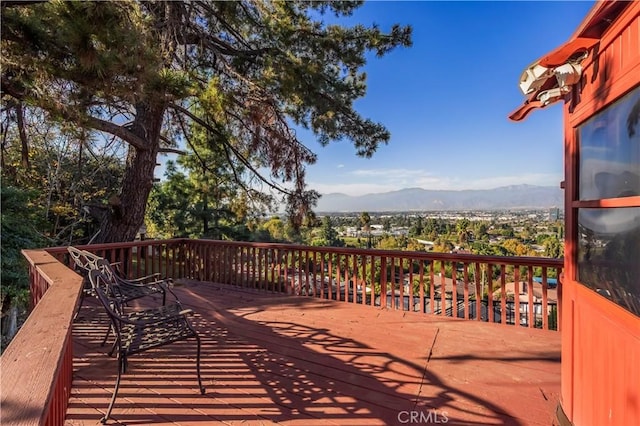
(139, 331)
(129, 289)
(124, 290)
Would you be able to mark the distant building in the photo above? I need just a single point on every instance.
(554, 214)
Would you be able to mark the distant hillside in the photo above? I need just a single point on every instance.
(507, 197)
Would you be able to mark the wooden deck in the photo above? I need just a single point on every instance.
(269, 359)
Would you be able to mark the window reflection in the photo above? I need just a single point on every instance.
(610, 151)
(609, 254)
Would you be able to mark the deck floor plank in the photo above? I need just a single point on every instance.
(273, 359)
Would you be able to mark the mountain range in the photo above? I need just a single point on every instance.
(411, 199)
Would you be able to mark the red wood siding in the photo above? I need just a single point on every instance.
(600, 340)
(612, 71)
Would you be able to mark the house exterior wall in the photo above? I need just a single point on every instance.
(600, 339)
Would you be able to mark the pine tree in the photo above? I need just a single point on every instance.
(243, 70)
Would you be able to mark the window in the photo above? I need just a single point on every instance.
(608, 205)
(609, 254)
(610, 151)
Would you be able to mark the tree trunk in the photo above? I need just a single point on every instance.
(127, 209)
(205, 213)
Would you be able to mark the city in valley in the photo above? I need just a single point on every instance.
(496, 232)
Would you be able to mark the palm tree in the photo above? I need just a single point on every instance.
(365, 220)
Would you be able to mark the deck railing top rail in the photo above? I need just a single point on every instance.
(418, 255)
(37, 364)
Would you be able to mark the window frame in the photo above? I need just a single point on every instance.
(576, 203)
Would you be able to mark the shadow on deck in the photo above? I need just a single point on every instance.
(269, 358)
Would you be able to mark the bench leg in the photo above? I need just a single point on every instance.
(82, 294)
(122, 360)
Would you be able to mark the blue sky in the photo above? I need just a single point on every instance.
(446, 99)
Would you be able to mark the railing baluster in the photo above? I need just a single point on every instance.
(259, 268)
(545, 308)
(479, 291)
(254, 265)
(516, 294)
(307, 273)
(530, 307)
(503, 295)
(412, 305)
(383, 281)
(298, 282)
(353, 285)
(443, 290)
(362, 278)
(372, 284)
(465, 274)
(401, 284)
(421, 292)
(490, 310)
(330, 273)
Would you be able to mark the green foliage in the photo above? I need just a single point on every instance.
(506, 231)
(392, 243)
(275, 228)
(443, 245)
(66, 175)
(365, 221)
(328, 235)
(104, 47)
(147, 72)
(417, 228)
(482, 248)
(202, 196)
(480, 231)
(553, 247)
(515, 248)
(169, 212)
(19, 224)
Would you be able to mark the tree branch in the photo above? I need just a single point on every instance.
(238, 155)
(114, 129)
(203, 163)
(93, 122)
(171, 151)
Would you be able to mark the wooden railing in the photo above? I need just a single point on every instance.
(37, 366)
(507, 290)
(453, 285)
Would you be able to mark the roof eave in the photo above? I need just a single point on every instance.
(586, 36)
